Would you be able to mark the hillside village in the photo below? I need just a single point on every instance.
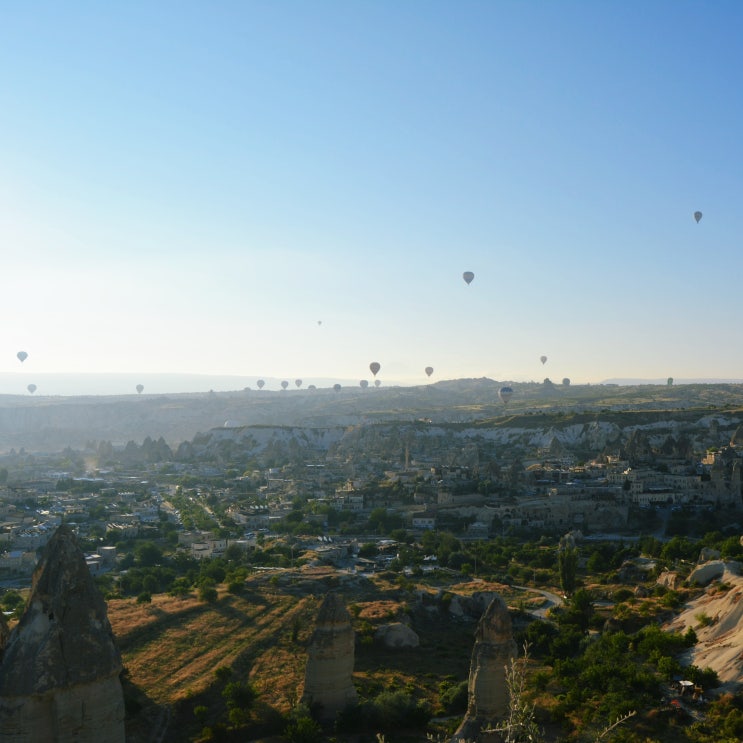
(234, 485)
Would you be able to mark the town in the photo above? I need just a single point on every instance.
(335, 489)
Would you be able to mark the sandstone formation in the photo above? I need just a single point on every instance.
(328, 681)
(703, 574)
(487, 689)
(669, 579)
(59, 672)
(397, 635)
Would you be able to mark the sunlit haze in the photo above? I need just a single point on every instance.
(292, 190)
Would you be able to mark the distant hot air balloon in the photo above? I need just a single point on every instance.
(697, 216)
(260, 384)
(374, 367)
(543, 359)
(670, 382)
(429, 371)
(337, 387)
(298, 382)
(139, 388)
(363, 384)
(377, 382)
(312, 387)
(505, 394)
(565, 382)
(31, 388)
(284, 384)
(468, 276)
(22, 356)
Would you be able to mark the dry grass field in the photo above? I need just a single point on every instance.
(172, 647)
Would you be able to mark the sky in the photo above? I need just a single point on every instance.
(293, 189)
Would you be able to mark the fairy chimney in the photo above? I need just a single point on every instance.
(487, 689)
(59, 672)
(328, 681)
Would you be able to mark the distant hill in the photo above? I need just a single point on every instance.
(40, 423)
(701, 380)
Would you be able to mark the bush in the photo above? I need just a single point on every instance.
(395, 710)
(303, 729)
(208, 594)
(453, 698)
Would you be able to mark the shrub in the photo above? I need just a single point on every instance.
(208, 594)
(303, 729)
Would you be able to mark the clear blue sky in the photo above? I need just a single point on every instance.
(192, 186)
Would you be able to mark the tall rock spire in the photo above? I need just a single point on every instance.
(59, 673)
(328, 681)
(487, 688)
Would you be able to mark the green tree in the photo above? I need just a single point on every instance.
(567, 564)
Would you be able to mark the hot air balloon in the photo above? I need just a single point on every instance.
(31, 388)
(697, 216)
(377, 382)
(312, 387)
(468, 276)
(284, 384)
(260, 384)
(22, 356)
(543, 359)
(505, 394)
(363, 384)
(374, 367)
(669, 382)
(298, 382)
(139, 388)
(565, 382)
(337, 387)
(429, 371)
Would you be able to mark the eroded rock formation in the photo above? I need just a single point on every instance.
(59, 673)
(328, 681)
(487, 688)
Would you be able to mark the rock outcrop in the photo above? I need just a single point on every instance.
(59, 673)
(328, 681)
(397, 635)
(487, 688)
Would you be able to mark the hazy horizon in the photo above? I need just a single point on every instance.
(116, 384)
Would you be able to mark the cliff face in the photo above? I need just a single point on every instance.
(59, 673)
(328, 682)
(487, 689)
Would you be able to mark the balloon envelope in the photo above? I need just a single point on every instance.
(337, 387)
(139, 388)
(377, 382)
(429, 371)
(298, 382)
(363, 384)
(22, 355)
(543, 359)
(260, 384)
(284, 384)
(505, 394)
(697, 216)
(31, 388)
(468, 276)
(566, 381)
(374, 367)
